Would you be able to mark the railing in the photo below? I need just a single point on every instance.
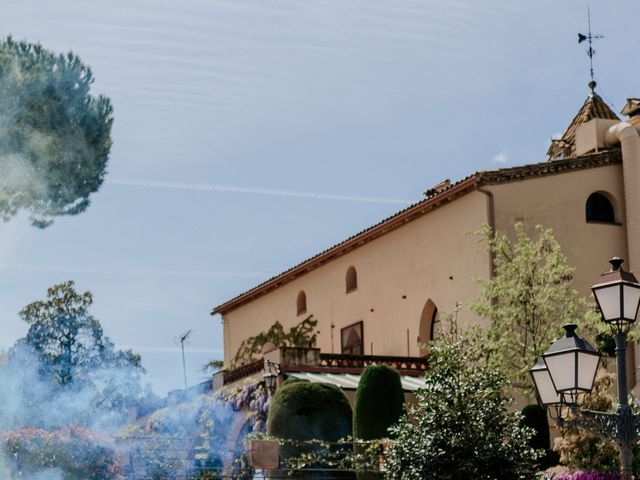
(247, 370)
(336, 360)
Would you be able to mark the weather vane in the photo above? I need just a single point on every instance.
(590, 37)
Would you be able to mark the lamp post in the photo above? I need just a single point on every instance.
(566, 372)
(270, 377)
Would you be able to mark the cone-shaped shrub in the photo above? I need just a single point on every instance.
(308, 411)
(379, 402)
(378, 405)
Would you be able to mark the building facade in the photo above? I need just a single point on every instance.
(381, 292)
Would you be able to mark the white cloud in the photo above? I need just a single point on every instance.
(501, 157)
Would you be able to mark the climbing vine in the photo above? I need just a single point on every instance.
(303, 334)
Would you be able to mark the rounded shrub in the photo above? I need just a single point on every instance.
(308, 411)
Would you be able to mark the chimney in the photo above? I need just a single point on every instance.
(438, 188)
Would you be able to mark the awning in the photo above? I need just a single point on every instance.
(348, 381)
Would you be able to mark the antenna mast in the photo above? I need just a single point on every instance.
(590, 37)
(183, 338)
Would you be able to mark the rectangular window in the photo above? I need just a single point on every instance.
(352, 339)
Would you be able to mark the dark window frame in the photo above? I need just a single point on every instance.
(352, 349)
(600, 209)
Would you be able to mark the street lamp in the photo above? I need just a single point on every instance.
(270, 377)
(571, 363)
(547, 395)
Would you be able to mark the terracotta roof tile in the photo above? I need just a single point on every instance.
(593, 107)
(418, 209)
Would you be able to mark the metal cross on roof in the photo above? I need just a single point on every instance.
(590, 51)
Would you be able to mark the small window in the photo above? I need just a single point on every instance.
(301, 303)
(352, 279)
(351, 339)
(599, 209)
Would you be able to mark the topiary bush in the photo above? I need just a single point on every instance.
(308, 411)
(379, 404)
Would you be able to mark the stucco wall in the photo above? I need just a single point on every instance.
(558, 202)
(416, 261)
(435, 257)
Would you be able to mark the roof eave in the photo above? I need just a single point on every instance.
(366, 236)
(472, 182)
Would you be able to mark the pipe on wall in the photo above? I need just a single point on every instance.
(491, 218)
(627, 136)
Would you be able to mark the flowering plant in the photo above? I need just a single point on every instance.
(586, 476)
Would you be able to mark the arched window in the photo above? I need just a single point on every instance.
(352, 279)
(599, 209)
(301, 303)
(429, 328)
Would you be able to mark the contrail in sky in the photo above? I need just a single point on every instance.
(253, 191)
(131, 272)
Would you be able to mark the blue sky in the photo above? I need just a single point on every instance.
(250, 134)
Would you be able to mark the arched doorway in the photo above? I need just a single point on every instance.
(429, 328)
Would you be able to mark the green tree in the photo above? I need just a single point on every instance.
(461, 425)
(68, 363)
(68, 340)
(527, 301)
(55, 137)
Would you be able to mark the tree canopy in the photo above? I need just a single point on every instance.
(461, 425)
(55, 137)
(66, 370)
(67, 338)
(527, 300)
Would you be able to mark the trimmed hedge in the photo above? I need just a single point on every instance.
(308, 411)
(379, 402)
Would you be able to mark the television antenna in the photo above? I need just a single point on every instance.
(590, 37)
(183, 338)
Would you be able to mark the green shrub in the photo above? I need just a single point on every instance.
(308, 411)
(379, 404)
(461, 426)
